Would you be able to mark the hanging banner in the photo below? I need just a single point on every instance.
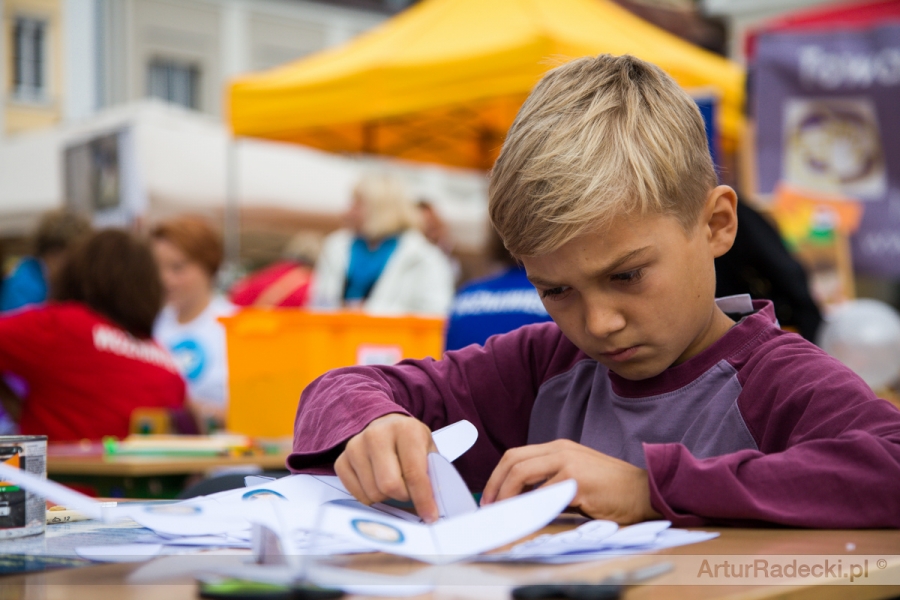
(827, 109)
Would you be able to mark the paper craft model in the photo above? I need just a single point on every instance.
(320, 513)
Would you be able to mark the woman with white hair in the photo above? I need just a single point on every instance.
(381, 263)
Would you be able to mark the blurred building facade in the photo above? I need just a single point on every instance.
(31, 70)
(65, 60)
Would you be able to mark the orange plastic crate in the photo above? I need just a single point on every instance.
(273, 354)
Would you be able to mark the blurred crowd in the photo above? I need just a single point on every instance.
(98, 323)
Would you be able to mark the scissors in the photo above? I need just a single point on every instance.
(608, 588)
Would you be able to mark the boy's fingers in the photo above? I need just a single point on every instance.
(526, 473)
(389, 460)
(509, 460)
(388, 476)
(348, 477)
(362, 467)
(414, 466)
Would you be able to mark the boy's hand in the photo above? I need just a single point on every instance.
(389, 459)
(608, 488)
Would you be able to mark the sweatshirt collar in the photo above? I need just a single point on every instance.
(674, 378)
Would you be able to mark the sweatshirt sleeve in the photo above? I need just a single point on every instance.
(828, 457)
(493, 386)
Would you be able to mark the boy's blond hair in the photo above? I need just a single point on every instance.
(597, 138)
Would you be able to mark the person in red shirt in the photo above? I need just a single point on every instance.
(284, 283)
(87, 356)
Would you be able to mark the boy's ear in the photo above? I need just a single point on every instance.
(720, 217)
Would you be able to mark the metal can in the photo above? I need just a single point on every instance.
(22, 513)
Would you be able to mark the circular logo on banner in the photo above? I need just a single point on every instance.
(377, 531)
(190, 358)
(262, 494)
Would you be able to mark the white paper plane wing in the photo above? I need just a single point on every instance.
(503, 522)
(455, 538)
(454, 440)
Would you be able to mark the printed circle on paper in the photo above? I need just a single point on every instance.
(377, 531)
(262, 494)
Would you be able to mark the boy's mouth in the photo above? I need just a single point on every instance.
(621, 354)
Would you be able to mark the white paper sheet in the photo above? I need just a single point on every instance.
(599, 539)
(348, 500)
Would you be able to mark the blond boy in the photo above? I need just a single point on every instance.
(657, 399)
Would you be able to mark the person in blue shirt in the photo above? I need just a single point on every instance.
(495, 304)
(27, 284)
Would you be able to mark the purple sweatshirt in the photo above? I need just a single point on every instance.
(761, 427)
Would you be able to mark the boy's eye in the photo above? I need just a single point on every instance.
(629, 276)
(554, 293)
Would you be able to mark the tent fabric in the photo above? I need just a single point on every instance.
(843, 16)
(443, 81)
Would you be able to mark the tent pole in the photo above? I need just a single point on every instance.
(3, 76)
(485, 138)
(232, 217)
(368, 137)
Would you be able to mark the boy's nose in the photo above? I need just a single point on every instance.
(601, 321)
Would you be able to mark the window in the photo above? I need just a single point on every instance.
(29, 59)
(173, 82)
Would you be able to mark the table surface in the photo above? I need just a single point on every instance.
(70, 461)
(140, 466)
(462, 581)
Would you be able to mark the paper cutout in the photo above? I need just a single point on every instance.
(598, 539)
(451, 493)
(254, 480)
(303, 515)
(454, 440)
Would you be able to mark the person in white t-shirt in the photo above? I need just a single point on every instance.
(189, 252)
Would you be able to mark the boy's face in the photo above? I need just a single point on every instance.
(638, 296)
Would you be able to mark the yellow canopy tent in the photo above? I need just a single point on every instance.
(442, 81)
